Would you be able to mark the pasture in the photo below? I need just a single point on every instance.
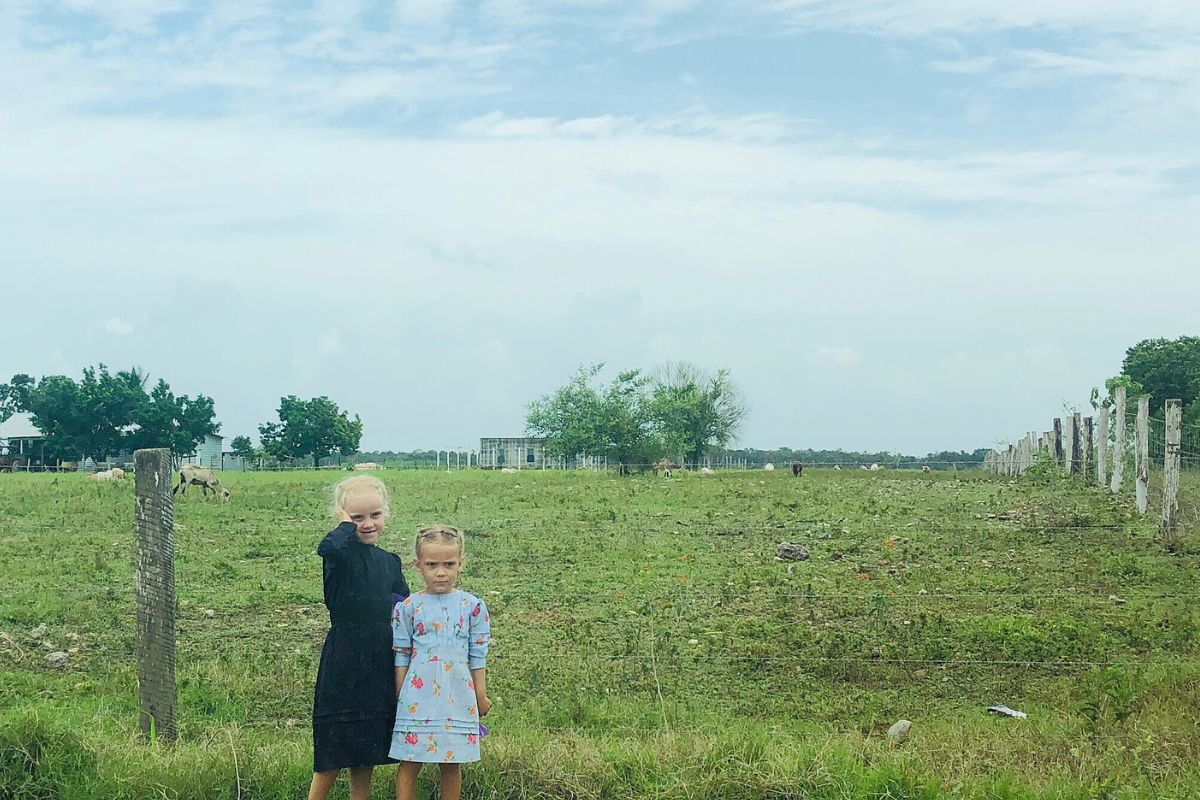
(647, 644)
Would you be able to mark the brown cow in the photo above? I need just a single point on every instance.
(797, 468)
(665, 466)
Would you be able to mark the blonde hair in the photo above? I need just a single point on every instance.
(445, 534)
(357, 484)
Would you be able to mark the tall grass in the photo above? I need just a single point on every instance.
(647, 642)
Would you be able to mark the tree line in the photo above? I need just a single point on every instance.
(105, 413)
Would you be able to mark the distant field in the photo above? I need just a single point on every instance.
(647, 642)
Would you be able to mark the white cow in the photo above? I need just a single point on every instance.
(876, 467)
(202, 477)
(769, 467)
(114, 474)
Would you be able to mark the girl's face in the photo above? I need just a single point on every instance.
(366, 511)
(439, 564)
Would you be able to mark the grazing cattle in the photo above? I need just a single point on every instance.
(665, 466)
(797, 468)
(769, 467)
(926, 469)
(837, 466)
(114, 474)
(507, 469)
(876, 467)
(863, 466)
(367, 465)
(204, 478)
(705, 471)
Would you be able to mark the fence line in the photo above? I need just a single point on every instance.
(1065, 447)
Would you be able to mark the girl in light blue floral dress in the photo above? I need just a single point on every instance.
(440, 637)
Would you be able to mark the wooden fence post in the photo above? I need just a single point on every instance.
(1118, 472)
(1142, 445)
(1170, 513)
(1058, 441)
(154, 586)
(1102, 448)
(1085, 447)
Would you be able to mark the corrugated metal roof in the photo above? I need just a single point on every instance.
(19, 426)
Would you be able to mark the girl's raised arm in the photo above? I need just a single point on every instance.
(334, 544)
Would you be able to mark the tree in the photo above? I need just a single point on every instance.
(104, 413)
(611, 422)
(14, 395)
(243, 448)
(695, 413)
(164, 420)
(680, 411)
(313, 428)
(1166, 368)
(91, 417)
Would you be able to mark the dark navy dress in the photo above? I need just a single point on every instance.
(354, 706)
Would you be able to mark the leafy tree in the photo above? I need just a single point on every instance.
(313, 428)
(57, 410)
(104, 413)
(1166, 368)
(612, 421)
(91, 417)
(164, 420)
(14, 395)
(243, 448)
(695, 413)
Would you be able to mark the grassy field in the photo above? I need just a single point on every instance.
(647, 644)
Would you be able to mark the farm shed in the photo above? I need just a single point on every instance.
(513, 452)
(208, 453)
(20, 441)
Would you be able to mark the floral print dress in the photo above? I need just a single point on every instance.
(440, 638)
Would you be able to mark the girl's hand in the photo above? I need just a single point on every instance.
(343, 516)
(485, 705)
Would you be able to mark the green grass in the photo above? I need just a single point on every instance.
(647, 642)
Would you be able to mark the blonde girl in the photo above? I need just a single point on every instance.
(440, 636)
(354, 701)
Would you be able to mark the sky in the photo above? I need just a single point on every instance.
(906, 226)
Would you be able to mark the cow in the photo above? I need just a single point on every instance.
(876, 467)
(797, 468)
(837, 466)
(926, 469)
(768, 466)
(114, 474)
(665, 465)
(202, 477)
(705, 471)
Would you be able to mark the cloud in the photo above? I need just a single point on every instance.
(842, 357)
(692, 122)
(930, 17)
(117, 325)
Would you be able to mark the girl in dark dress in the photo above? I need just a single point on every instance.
(354, 705)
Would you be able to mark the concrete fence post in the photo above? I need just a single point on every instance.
(154, 587)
